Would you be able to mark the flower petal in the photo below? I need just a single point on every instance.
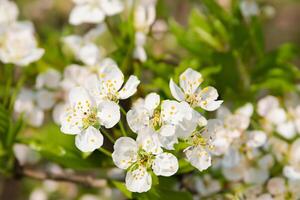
(138, 180)
(190, 80)
(152, 100)
(89, 140)
(129, 88)
(165, 164)
(125, 152)
(108, 113)
(86, 14)
(198, 157)
(176, 91)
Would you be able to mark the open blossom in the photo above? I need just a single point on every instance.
(237, 122)
(18, 45)
(107, 85)
(84, 114)
(140, 156)
(191, 92)
(83, 49)
(286, 122)
(26, 104)
(201, 145)
(8, 12)
(164, 119)
(94, 11)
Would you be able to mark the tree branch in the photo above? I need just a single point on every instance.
(86, 180)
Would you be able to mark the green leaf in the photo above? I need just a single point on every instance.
(163, 194)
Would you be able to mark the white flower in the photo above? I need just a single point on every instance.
(237, 122)
(256, 139)
(8, 12)
(18, 45)
(108, 84)
(287, 123)
(49, 79)
(84, 49)
(191, 92)
(207, 185)
(26, 103)
(249, 8)
(138, 157)
(276, 186)
(45, 99)
(165, 119)
(94, 11)
(83, 113)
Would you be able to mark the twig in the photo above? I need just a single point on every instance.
(73, 178)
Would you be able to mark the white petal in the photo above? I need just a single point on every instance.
(176, 91)
(246, 110)
(149, 141)
(125, 152)
(190, 80)
(138, 180)
(208, 99)
(168, 142)
(173, 112)
(58, 111)
(256, 139)
(138, 119)
(111, 77)
(129, 88)
(266, 104)
(108, 113)
(45, 99)
(256, 175)
(165, 164)
(286, 129)
(276, 116)
(86, 14)
(35, 117)
(291, 173)
(167, 130)
(89, 140)
(112, 7)
(80, 95)
(140, 53)
(152, 100)
(198, 157)
(49, 79)
(89, 54)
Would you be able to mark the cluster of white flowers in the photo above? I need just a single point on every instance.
(17, 42)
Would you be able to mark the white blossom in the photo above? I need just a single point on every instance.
(8, 12)
(140, 156)
(18, 45)
(94, 11)
(191, 92)
(83, 113)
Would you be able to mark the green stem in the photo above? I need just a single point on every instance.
(111, 31)
(242, 71)
(111, 139)
(122, 128)
(16, 91)
(106, 152)
(8, 73)
(123, 111)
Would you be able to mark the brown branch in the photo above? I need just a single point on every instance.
(86, 180)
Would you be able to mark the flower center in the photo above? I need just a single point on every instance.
(191, 99)
(90, 118)
(144, 159)
(156, 120)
